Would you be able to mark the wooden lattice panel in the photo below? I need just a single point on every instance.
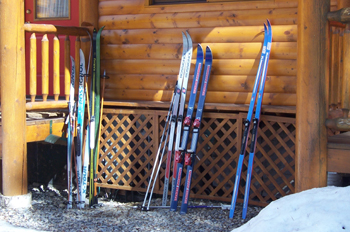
(130, 140)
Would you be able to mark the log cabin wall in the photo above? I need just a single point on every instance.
(142, 47)
(141, 51)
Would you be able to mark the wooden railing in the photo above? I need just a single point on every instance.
(44, 29)
(339, 45)
(339, 71)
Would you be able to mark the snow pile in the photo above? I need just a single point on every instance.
(320, 210)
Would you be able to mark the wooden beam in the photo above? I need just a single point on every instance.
(57, 30)
(38, 130)
(13, 99)
(342, 15)
(311, 140)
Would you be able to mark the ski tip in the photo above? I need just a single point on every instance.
(268, 22)
(189, 39)
(207, 49)
(208, 54)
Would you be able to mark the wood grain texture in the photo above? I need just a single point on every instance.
(124, 7)
(220, 67)
(285, 99)
(279, 50)
(226, 83)
(284, 33)
(278, 16)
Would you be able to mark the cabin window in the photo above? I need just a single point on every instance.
(157, 2)
(51, 9)
(160, 2)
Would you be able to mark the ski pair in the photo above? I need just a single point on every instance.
(259, 83)
(94, 111)
(177, 111)
(71, 149)
(170, 122)
(182, 154)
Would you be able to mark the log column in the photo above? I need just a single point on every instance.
(12, 73)
(311, 145)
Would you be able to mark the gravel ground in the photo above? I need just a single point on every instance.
(49, 213)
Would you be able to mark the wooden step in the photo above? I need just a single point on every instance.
(339, 153)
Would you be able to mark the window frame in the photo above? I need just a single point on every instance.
(36, 18)
(179, 2)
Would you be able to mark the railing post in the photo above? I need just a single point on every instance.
(56, 68)
(33, 70)
(45, 67)
(67, 67)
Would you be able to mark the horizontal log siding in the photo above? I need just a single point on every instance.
(142, 47)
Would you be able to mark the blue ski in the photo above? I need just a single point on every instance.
(256, 121)
(191, 153)
(247, 123)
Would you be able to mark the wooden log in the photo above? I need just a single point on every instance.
(220, 67)
(226, 83)
(279, 50)
(281, 33)
(311, 140)
(45, 67)
(277, 16)
(88, 12)
(47, 105)
(278, 99)
(33, 70)
(13, 99)
(338, 124)
(342, 15)
(346, 68)
(67, 67)
(56, 68)
(207, 106)
(124, 7)
(57, 30)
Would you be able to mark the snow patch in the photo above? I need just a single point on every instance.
(319, 209)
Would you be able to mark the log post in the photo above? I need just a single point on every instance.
(13, 99)
(311, 145)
